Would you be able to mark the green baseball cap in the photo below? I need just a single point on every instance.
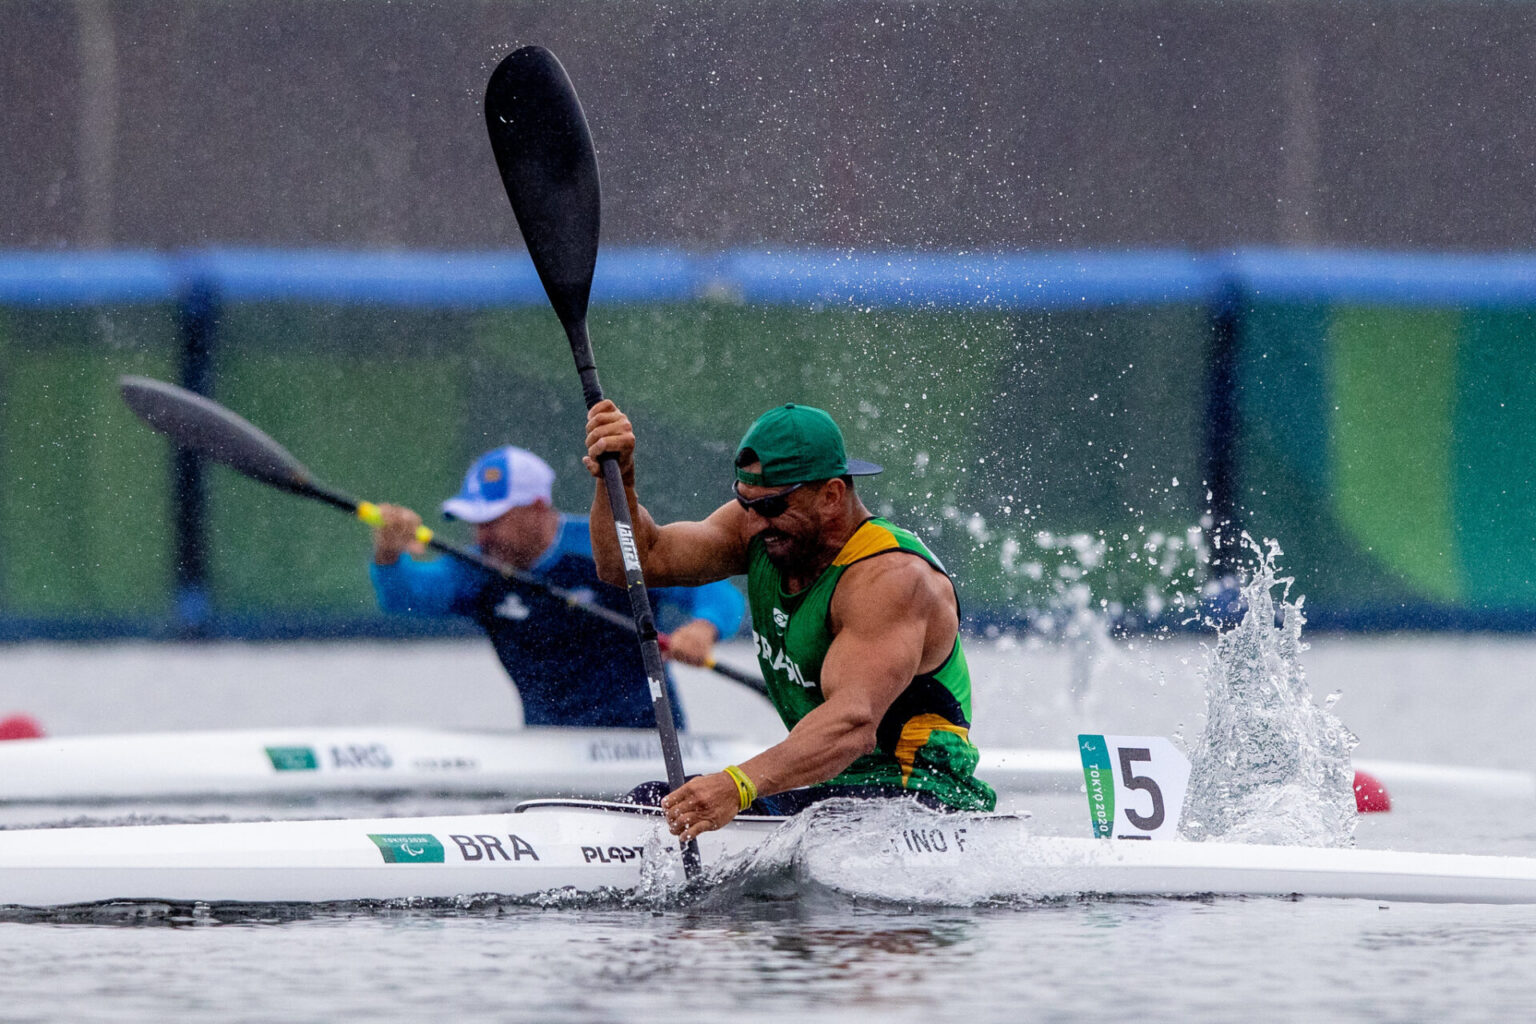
(796, 444)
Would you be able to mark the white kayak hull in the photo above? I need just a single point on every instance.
(589, 847)
(294, 762)
(288, 762)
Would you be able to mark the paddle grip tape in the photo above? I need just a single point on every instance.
(586, 369)
(370, 513)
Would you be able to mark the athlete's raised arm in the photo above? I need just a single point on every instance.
(675, 554)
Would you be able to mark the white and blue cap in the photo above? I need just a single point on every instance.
(499, 480)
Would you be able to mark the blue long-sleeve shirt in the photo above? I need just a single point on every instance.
(569, 667)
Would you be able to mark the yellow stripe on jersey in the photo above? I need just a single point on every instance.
(915, 733)
(867, 540)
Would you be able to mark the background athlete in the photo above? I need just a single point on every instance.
(856, 624)
(569, 667)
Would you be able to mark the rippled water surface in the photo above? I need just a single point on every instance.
(814, 957)
(771, 952)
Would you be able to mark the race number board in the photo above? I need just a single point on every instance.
(1135, 785)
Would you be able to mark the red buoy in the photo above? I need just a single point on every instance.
(20, 727)
(1370, 795)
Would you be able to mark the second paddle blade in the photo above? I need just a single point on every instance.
(204, 426)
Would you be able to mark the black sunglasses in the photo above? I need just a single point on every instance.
(769, 505)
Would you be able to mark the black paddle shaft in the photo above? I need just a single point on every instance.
(548, 166)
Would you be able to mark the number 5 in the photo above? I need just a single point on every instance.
(1129, 755)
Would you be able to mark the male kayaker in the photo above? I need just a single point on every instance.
(569, 667)
(856, 622)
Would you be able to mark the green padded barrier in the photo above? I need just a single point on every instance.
(1392, 399)
(84, 488)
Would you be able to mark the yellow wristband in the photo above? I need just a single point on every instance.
(746, 792)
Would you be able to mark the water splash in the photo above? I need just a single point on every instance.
(1073, 618)
(1136, 576)
(890, 851)
(661, 869)
(1271, 765)
(1089, 589)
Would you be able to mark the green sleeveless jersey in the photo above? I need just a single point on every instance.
(923, 741)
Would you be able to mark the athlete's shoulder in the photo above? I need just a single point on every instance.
(876, 536)
(875, 573)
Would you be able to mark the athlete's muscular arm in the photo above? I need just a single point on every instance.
(893, 617)
(677, 554)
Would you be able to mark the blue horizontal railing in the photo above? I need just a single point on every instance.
(43, 279)
(998, 281)
(1007, 281)
(1398, 279)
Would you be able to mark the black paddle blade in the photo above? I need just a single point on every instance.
(206, 427)
(549, 168)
